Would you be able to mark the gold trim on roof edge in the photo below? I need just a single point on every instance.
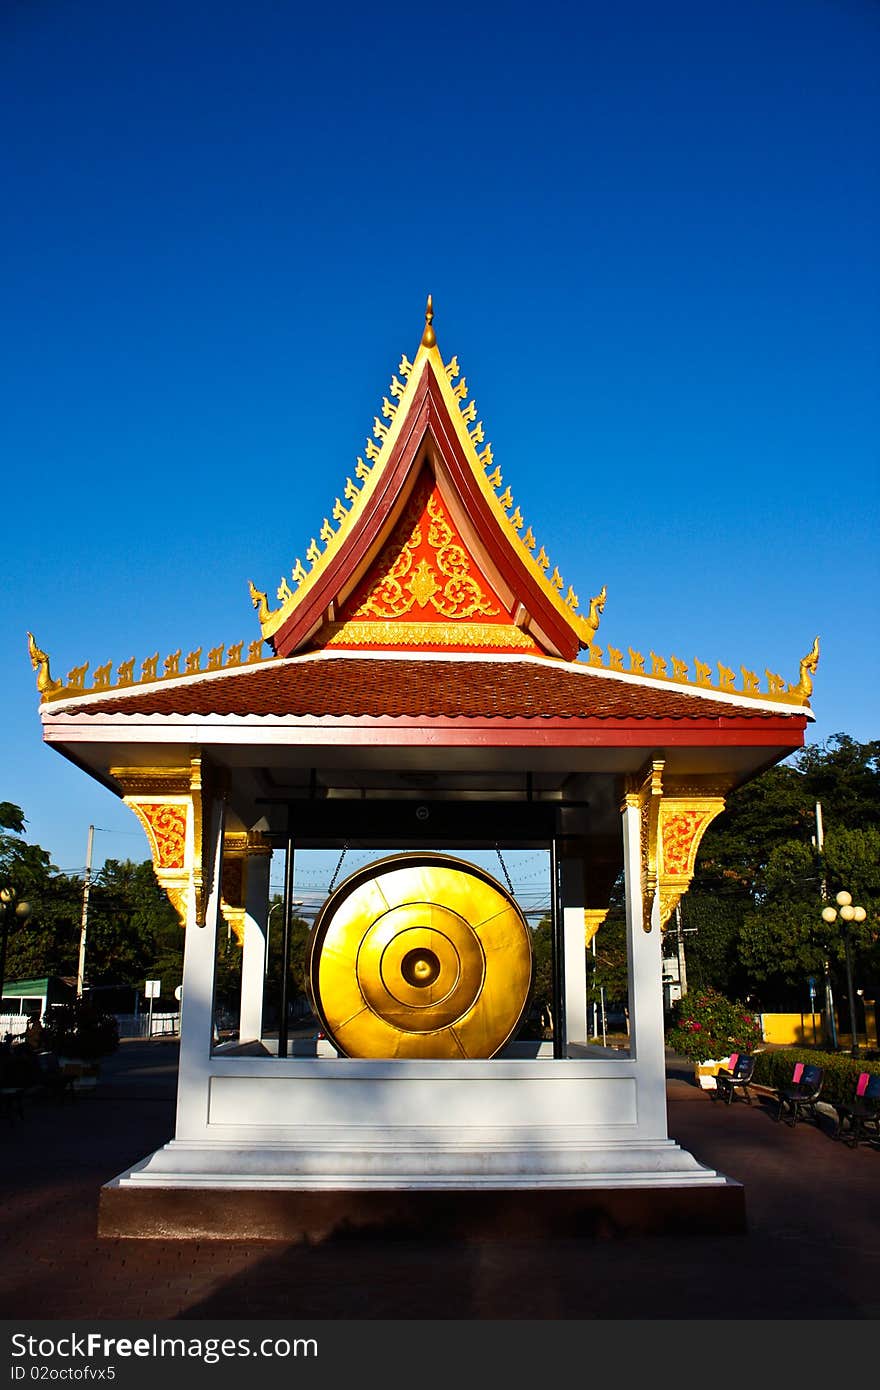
(219, 658)
(453, 634)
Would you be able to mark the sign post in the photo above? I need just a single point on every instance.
(812, 984)
(152, 991)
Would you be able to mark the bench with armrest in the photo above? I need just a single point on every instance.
(859, 1118)
(735, 1079)
(797, 1100)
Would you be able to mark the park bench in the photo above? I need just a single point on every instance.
(735, 1077)
(859, 1118)
(797, 1100)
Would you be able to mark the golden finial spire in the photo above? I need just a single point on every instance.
(428, 337)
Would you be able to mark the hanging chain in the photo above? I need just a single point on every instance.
(338, 867)
(504, 867)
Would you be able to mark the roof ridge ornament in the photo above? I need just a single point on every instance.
(40, 662)
(804, 687)
(429, 338)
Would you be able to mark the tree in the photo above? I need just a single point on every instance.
(757, 893)
(33, 946)
(608, 970)
(297, 985)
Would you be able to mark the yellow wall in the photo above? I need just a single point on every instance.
(793, 1028)
(798, 1028)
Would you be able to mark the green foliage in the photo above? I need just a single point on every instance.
(784, 941)
(774, 1068)
(609, 971)
(297, 984)
(133, 933)
(707, 1025)
(12, 817)
(711, 925)
(126, 907)
(542, 951)
(759, 866)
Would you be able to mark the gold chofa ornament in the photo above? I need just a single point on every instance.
(420, 955)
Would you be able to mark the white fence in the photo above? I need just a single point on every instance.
(13, 1024)
(163, 1025)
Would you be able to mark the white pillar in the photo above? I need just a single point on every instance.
(645, 985)
(574, 953)
(253, 954)
(197, 999)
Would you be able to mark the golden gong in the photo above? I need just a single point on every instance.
(420, 955)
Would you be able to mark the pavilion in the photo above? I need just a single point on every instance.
(422, 679)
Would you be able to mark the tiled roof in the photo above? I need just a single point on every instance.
(378, 686)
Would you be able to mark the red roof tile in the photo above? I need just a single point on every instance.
(379, 686)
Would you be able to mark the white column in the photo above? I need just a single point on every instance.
(197, 1000)
(645, 985)
(574, 953)
(253, 955)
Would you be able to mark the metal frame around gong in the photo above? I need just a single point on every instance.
(371, 823)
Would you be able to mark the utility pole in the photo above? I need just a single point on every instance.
(682, 968)
(81, 967)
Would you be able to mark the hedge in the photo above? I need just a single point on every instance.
(841, 1071)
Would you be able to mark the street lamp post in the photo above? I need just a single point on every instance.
(847, 912)
(268, 925)
(12, 911)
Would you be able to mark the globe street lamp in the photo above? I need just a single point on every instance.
(12, 911)
(848, 913)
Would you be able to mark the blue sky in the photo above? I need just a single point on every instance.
(651, 236)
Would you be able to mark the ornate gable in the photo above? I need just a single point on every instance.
(428, 427)
(426, 589)
(423, 550)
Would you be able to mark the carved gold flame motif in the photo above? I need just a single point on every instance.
(447, 585)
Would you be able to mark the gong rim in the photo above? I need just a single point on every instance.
(420, 955)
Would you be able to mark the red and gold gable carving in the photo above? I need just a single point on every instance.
(166, 828)
(426, 589)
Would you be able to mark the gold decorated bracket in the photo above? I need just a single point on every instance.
(674, 814)
(239, 847)
(161, 800)
(645, 793)
(593, 919)
(171, 805)
(686, 812)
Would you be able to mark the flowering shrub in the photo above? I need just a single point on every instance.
(706, 1025)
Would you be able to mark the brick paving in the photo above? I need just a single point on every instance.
(812, 1249)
